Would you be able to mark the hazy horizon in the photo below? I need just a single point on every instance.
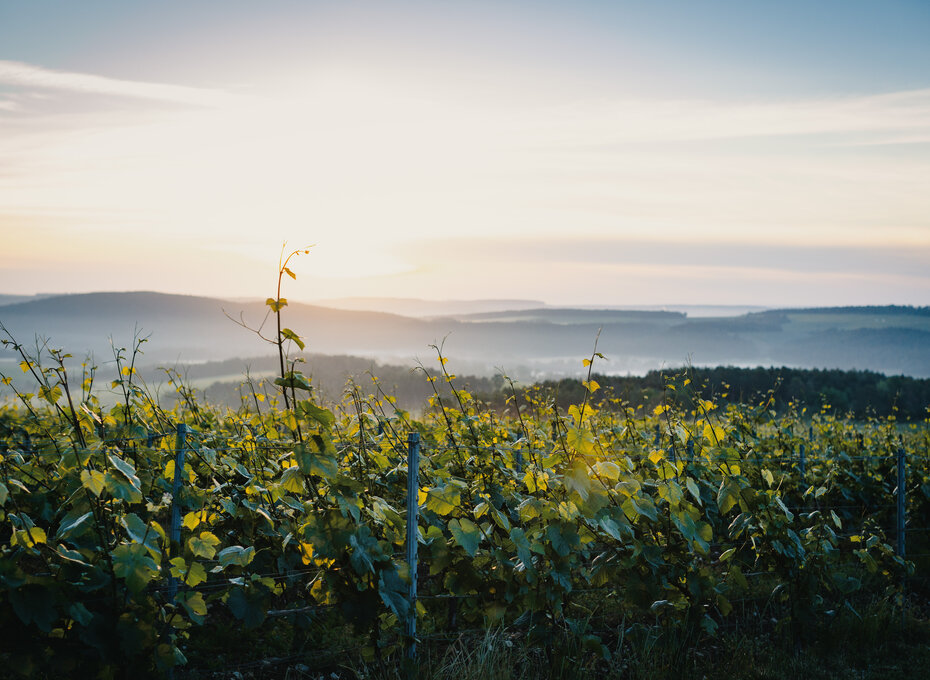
(528, 340)
(414, 304)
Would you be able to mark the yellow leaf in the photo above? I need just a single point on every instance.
(568, 510)
(204, 545)
(585, 362)
(656, 456)
(536, 480)
(195, 604)
(191, 520)
(713, 433)
(659, 410)
(30, 538)
(607, 470)
(421, 495)
(306, 553)
(94, 481)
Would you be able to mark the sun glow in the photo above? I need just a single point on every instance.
(380, 170)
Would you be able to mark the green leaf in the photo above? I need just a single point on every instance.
(236, 555)
(726, 496)
(563, 537)
(192, 575)
(288, 334)
(71, 556)
(294, 380)
(644, 505)
(292, 479)
(4, 493)
(132, 563)
(140, 532)
(196, 575)
(119, 487)
(443, 499)
(393, 592)
(694, 490)
(34, 604)
(127, 470)
(248, 606)
(607, 470)
(466, 534)
(94, 481)
(51, 395)
(204, 545)
(781, 504)
(709, 625)
(522, 544)
(80, 614)
(195, 606)
(319, 462)
(363, 546)
(73, 523)
(321, 415)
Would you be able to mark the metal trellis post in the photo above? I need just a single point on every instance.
(802, 463)
(174, 531)
(413, 490)
(901, 502)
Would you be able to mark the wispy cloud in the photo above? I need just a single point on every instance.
(626, 191)
(603, 123)
(29, 76)
(863, 259)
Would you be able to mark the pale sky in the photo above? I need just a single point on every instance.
(578, 153)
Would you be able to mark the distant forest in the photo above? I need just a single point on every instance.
(861, 394)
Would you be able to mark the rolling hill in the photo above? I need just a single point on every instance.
(543, 341)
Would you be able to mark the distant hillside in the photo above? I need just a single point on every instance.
(13, 299)
(571, 316)
(424, 308)
(542, 342)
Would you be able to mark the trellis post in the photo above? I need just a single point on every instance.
(413, 490)
(902, 508)
(174, 530)
(802, 464)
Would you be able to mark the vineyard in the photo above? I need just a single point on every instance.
(187, 541)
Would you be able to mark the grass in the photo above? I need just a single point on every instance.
(878, 643)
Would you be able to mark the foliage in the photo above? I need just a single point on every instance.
(546, 519)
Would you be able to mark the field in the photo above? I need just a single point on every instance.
(682, 539)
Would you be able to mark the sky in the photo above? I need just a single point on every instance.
(590, 153)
